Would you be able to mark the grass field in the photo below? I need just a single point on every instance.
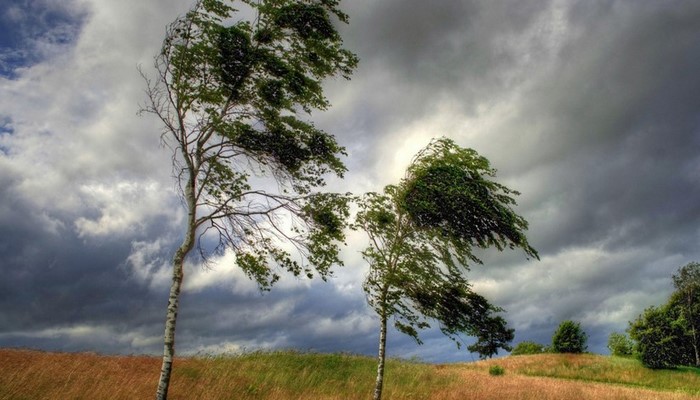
(34, 375)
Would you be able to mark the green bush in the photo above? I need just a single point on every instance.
(620, 345)
(496, 370)
(528, 347)
(569, 338)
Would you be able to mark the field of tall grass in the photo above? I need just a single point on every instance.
(27, 374)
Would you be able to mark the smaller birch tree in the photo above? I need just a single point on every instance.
(422, 232)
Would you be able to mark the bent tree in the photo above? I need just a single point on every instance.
(232, 97)
(422, 232)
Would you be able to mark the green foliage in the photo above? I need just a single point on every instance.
(233, 95)
(528, 347)
(492, 334)
(688, 278)
(620, 345)
(496, 370)
(661, 342)
(569, 338)
(448, 194)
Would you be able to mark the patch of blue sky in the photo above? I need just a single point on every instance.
(33, 30)
(6, 129)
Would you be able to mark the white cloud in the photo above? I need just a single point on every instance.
(148, 265)
(125, 208)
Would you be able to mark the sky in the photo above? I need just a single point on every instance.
(589, 108)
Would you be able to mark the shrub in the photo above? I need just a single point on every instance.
(569, 338)
(528, 347)
(496, 370)
(620, 345)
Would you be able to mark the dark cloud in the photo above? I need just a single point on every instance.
(589, 108)
(53, 278)
(624, 133)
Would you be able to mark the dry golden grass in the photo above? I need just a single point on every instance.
(596, 368)
(568, 376)
(479, 385)
(28, 374)
(38, 375)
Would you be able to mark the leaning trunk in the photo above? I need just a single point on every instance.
(170, 320)
(173, 300)
(381, 358)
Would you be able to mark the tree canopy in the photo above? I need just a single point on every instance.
(660, 341)
(620, 345)
(569, 338)
(528, 347)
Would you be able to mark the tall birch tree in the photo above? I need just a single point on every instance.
(422, 232)
(233, 97)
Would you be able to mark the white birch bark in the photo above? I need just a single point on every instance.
(173, 300)
(381, 359)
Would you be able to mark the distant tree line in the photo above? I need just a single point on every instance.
(569, 337)
(664, 336)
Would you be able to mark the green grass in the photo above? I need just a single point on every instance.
(322, 374)
(496, 370)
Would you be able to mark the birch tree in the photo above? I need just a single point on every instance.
(233, 97)
(687, 300)
(422, 232)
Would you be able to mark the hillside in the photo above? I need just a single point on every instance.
(28, 374)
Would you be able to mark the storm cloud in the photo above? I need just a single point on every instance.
(588, 108)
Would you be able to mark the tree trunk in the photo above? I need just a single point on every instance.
(170, 320)
(695, 347)
(173, 300)
(381, 358)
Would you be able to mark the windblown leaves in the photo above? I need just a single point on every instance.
(448, 194)
(234, 96)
